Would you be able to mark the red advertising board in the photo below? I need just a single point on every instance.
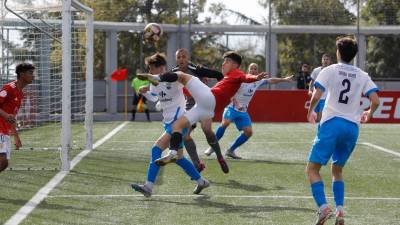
(291, 106)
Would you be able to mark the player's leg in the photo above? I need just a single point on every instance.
(3, 161)
(321, 152)
(134, 106)
(153, 169)
(190, 170)
(206, 125)
(175, 142)
(146, 111)
(226, 120)
(243, 123)
(219, 134)
(347, 142)
(191, 149)
(338, 192)
(5, 151)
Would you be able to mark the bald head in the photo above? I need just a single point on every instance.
(182, 58)
(253, 68)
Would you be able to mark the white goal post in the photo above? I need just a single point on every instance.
(58, 40)
(66, 78)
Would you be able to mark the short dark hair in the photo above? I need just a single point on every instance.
(347, 47)
(234, 56)
(23, 67)
(156, 60)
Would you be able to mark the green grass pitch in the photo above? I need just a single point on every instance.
(267, 187)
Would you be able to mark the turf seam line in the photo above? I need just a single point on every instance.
(25, 210)
(221, 196)
(381, 148)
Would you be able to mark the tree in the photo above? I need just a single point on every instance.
(208, 49)
(129, 44)
(295, 49)
(383, 50)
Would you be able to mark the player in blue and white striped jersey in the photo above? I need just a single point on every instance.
(339, 125)
(172, 102)
(236, 111)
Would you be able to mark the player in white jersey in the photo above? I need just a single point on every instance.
(236, 111)
(172, 102)
(325, 61)
(338, 132)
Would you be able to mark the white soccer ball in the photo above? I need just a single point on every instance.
(152, 32)
(158, 106)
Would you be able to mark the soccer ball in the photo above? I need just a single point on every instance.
(152, 32)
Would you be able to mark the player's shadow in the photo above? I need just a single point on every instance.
(250, 211)
(233, 184)
(204, 201)
(278, 162)
(43, 205)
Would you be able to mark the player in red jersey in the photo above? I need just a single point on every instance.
(208, 102)
(10, 100)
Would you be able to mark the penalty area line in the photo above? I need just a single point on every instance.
(219, 196)
(23, 212)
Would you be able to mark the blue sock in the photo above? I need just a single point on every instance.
(153, 169)
(189, 168)
(239, 141)
(220, 132)
(338, 192)
(318, 192)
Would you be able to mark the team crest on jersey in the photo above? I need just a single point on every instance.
(250, 91)
(168, 86)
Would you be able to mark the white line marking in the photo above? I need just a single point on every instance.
(23, 212)
(218, 196)
(381, 148)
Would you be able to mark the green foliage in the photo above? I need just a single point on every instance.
(129, 44)
(295, 49)
(384, 50)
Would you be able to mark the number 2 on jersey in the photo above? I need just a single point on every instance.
(342, 98)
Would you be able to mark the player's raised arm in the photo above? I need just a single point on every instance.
(209, 73)
(146, 92)
(280, 80)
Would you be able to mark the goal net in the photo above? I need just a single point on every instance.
(55, 119)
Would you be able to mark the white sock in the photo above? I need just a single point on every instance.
(149, 185)
(323, 207)
(200, 181)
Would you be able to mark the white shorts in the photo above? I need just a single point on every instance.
(205, 101)
(5, 145)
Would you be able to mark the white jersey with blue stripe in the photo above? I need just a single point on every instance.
(314, 75)
(245, 93)
(172, 100)
(345, 85)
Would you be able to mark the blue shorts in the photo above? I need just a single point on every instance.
(336, 138)
(241, 119)
(168, 130)
(320, 106)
